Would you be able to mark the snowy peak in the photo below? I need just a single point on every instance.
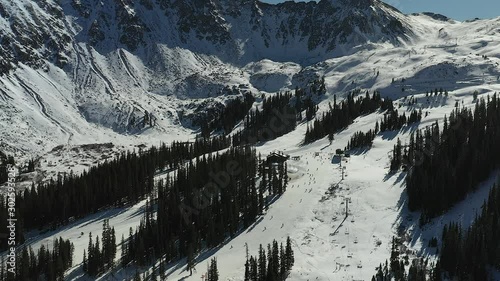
(312, 30)
(235, 31)
(82, 63)
(351, 3)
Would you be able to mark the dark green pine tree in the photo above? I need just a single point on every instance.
(162, 269)
(105, 243)
(2, 269)
(112, 247)
(214, 272)
(190, 260)
(124, 252)
(290, 260)
(283, 272)
(98, 260)
(285, 177)
(276, 259)
(262, 264)
(91, 258)
(84, 261)
(23, 265)
(397, 156)
(247, 270)
(254, 274)
(270, 274)
(330, 137)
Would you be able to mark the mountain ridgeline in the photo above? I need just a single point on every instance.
(109, 62)
(235, 31)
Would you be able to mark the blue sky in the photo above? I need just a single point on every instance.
(456, 9)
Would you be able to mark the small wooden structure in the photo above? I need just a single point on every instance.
(276, 158)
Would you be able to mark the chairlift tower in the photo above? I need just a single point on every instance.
(346, 207)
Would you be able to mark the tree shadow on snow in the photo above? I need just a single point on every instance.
(34, 237)
(391, 135)
(360, 150)
(401, 176)
(251, 227)
(407, 225)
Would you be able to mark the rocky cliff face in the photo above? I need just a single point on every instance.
(31, 33)
(68, 65)
(236, 31)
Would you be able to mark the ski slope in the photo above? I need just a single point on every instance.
(312, 210)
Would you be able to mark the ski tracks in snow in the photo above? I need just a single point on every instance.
(126, 65)
(39, 101)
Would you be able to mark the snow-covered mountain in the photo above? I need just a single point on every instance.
(69, 67)
(76, 72)
(85, 71)
(237, 32)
